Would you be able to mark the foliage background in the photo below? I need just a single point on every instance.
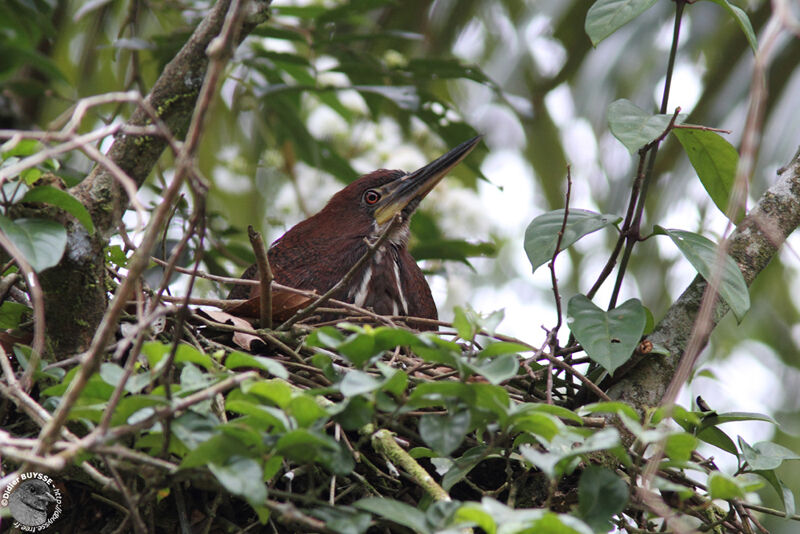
(327, 94)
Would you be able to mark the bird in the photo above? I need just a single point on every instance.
(319, 251)
(28, 503)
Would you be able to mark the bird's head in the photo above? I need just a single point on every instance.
(368, 205)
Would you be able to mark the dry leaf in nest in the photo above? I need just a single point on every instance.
(284, 305)
(248, 342)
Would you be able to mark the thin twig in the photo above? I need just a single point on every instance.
(138, 524)
(264, 276)
(554, 280)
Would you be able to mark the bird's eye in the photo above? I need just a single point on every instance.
(371, 196)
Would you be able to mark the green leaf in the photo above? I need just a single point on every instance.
(552, 409)
(276, 392)
(444, 433)
(744, 22)
(237, 359)
(608, 338)
(722, 486)
(305, 410)
(714, 160)
(112, 374)
(395, 511)
(607, 16)
(680, 445)
(765, 455)
(21, 148)
(498, 369)
(633, 126)
(601, 495)
(61, 199)
(565, 447)
(539, 424)
(731, 417)
(188, 354)
(780, 488)
(40, 241)
(470, 512)
(11, 314)
(716, 437)
(357, 382)
(242, 477)
(541, 236)
(465, 325)
(702, 253)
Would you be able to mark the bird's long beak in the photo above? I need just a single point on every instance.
(405, 193)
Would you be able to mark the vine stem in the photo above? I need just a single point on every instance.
(630, 232)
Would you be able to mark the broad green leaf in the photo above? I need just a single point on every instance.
(722, 486)
(243, 477)
(355, 413)
(607, 16)
(264, 416)
(20, 147)
(460, 467)
(633, 126)
(680, 445)
(11, 314)
(194, 429)
(357, 382)
(395, 511)
(742, 20)
(765, 455)
(470, 512)
(40, 241)
(566, 447)
(444, 433)
(539, 424)
(112, 374)
(61, 199)
(552, 409)
(465, 324)
(601, 495)
(714, 160)
(541, 236)
(305, 410)
(730, 417)
(716, 437)
(236, 360)
(498, 369)
(608, 338)
(276, 392)
(188, 354)
(702, 253)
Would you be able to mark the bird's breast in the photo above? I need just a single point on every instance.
(379, 286)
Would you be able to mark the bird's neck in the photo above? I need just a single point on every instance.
(398, 238)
